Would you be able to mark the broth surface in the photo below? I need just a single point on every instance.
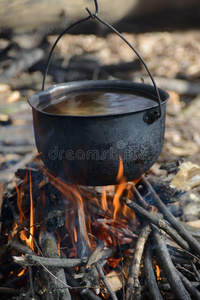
(99, 103)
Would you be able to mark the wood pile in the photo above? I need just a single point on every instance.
(148, 255)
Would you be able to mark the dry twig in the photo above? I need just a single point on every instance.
(133, 285)
(103, 278)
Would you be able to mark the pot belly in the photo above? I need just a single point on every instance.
(87, 150)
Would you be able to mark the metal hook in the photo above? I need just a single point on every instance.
(96, 10)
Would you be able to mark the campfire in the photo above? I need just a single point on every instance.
(63, 241)
(66, 233)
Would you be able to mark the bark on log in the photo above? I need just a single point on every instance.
(56, 289)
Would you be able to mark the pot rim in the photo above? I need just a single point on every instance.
(52, 92)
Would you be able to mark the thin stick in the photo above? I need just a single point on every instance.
(133, 285)
(83, 291)
(165, 287)
(195, 270)
(34, 260)
(21, 249)
(31, 282)
(2, 187)
(95, 252)
(188, 285)
(169, 269)
(186, 235)
(158, 222)
(103, 278)
(9, 291)
(150, 275)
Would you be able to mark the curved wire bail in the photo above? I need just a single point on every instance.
(96, 10)
(93, 16)
(158, 114)
(152, 117)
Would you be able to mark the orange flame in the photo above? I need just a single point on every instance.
(121, 170)
(29, 241)
(158, 272)
(21, 273)
(104, 199)
(59, 245)
(111, 217)
(120, 188)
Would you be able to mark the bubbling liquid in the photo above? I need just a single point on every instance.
(94, 103)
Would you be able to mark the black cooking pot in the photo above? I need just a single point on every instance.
(86, 149)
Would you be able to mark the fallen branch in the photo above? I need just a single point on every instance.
(27, 60)
(182, 87)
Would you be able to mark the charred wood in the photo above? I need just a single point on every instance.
(103, 278)
(21, 249)
(94, 254)
(192, 242)
(153, 287)
(160, 223)
(168, 267)
(81, 290)
(189, 287)
(9, 291)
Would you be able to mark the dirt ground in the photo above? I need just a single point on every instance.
(173, 59)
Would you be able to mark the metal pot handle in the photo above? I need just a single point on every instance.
(149, 117)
